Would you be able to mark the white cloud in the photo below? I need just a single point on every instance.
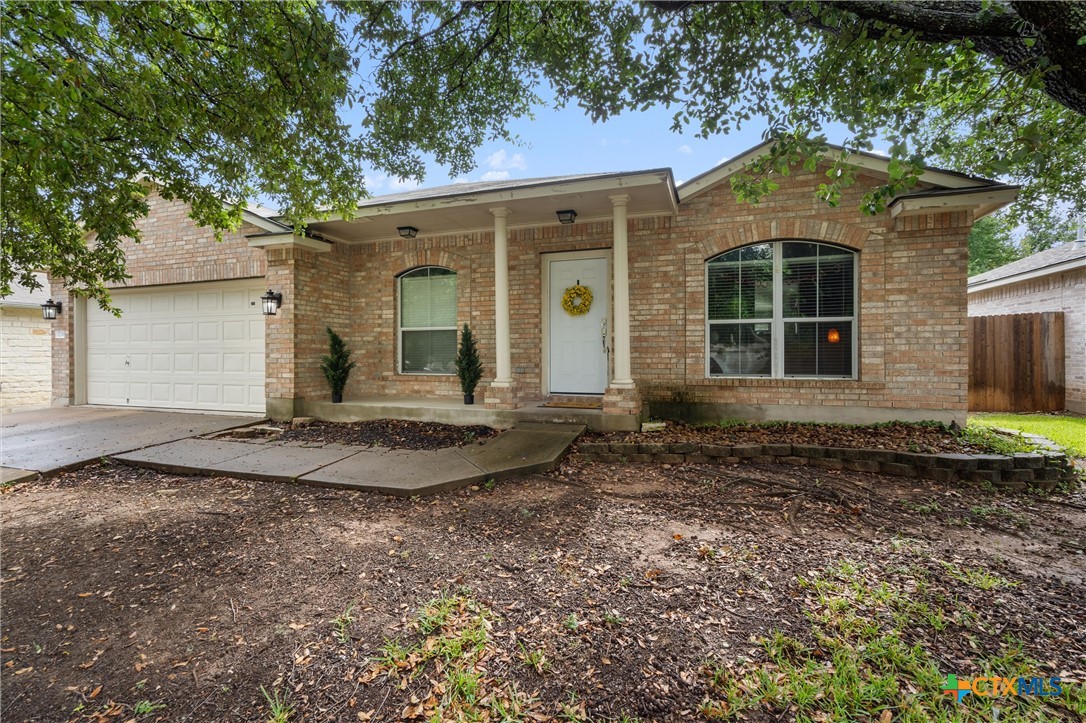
(685, 149)
(881, 152)
(502, 161)
(374, 183)
(495, 176)
(403, 184)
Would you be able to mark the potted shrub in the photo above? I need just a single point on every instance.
(468, 365)
(336, 365)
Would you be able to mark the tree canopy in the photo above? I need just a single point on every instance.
(220, 102)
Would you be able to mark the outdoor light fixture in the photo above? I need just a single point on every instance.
(50, 309)
(833, 336)
(407, 231)
(270, 302)
(568, 216)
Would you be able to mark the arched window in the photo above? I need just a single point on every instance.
(428, 321)
(781, 309)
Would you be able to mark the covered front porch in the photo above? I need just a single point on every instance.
(502, 260)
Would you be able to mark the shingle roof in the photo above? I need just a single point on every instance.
(471, 188)
(1042, 259)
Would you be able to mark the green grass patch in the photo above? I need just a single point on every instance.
(866, 660)
(1067, 431)
(986, 438)
(444, 669)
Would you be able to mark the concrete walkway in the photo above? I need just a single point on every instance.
(527, 448)
(48, 441)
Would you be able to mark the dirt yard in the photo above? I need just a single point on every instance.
(598, 592)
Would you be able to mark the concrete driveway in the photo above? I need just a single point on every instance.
(50, 440)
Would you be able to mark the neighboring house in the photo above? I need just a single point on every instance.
(702, 307)
(25, 349)
(1050, 280)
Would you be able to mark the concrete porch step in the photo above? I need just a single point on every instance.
(526, 448)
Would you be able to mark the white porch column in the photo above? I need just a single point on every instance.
(621, 287)
(503, 362)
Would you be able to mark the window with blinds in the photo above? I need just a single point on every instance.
(428, 321)
(782, 309)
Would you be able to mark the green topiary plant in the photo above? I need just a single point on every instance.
(336, 365)
(468, 365)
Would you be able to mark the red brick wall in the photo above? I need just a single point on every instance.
(912, 338)
(912, 344)
(1064, 292)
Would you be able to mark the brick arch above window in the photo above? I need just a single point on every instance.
(410, 260)
(848, 235)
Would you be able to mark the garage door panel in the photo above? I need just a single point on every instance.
(139, 333)
(208, 331)
(161, 304)
(184, 331)
(200, 346)
(161, 393)
(234, 363)
(235, 331)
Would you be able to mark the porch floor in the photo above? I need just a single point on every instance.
(452, 410)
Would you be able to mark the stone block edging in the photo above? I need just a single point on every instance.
(1019, 471)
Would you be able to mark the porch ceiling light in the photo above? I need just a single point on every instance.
(50, 309)
(407, 231)
(568, 216)
(270, 302)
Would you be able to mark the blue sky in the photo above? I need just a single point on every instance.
(566, 141)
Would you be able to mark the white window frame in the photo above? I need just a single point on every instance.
(778, 321)
(399, 322)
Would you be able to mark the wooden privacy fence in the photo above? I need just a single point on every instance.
(1016, 363)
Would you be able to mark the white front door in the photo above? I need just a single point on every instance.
(578, 344)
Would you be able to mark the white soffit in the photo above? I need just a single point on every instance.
(289, 239)
(651, 193)
(982, 200)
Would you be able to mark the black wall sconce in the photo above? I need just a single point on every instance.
(270, 302)
(51, 309)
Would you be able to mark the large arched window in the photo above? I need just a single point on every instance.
(781, 309)
(428, 321)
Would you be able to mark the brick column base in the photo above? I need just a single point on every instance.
(500, 397)
(622, 400)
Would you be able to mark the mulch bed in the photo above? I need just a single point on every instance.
(389, 433)
(896, 436)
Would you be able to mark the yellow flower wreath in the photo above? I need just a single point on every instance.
(577, 300)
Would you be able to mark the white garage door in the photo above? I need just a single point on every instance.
(193, 346)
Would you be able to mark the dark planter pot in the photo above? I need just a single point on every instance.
(469, 399)
(337, 398)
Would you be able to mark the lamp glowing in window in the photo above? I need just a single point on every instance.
(833, 336)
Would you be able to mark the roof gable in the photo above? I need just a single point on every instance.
(876, 164)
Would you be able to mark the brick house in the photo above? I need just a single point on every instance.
(1050, 280)
(702, 307)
